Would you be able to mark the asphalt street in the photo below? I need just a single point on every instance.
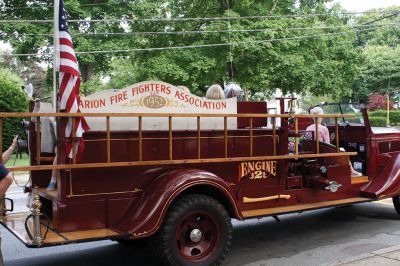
(323, 237)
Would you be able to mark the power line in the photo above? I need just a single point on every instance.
(385, 17)
(206, 31)
(205, 45)
(190, 19)
(51, 6)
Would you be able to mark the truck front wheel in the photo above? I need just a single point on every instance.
(197, 230)
(396, 203)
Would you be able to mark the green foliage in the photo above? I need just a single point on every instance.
(377, 113)
(321, 65)
(308, 100)
(377, 121)
(387, 36)
(394, 116)
(12, 99)
(91, 86)
(380, 72)
(121, 74)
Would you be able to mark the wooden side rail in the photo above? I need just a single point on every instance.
(22, 115)
(108, 117)
(172, 162)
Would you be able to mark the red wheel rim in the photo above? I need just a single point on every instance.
(195, 246)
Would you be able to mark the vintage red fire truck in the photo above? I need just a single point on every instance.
(162, 164)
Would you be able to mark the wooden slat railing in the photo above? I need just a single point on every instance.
(38, 140)
(140, 125)
(170, 117)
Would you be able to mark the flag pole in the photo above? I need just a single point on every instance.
(56, 65)
(56, 55)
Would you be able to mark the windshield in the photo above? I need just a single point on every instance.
(352, 109)
(343, 108)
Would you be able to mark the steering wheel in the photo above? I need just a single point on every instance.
(343, 123)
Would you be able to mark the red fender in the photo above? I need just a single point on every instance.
(387, 182)
(146, 215)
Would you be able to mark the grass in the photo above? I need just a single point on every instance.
(19, 162)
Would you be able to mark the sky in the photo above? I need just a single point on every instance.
(363, 5)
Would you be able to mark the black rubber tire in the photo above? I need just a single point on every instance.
(165, 244)
(396, 203)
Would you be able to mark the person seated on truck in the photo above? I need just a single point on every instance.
(232, 89)
(6, 178)
(48, 138)
(323, 134)
(215, 92)
(54, 174)
(184, 88)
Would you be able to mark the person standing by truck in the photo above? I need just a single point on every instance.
(6, 178)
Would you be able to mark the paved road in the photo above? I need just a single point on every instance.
(312, 238)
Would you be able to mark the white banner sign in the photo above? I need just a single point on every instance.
(156, 97)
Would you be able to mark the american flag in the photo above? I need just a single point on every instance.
(69, 78)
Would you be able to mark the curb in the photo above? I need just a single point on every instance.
(367, 255)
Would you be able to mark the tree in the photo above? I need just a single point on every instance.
(12, 99)
(26, 38)
(121, 74)
(379, 73)
(388, 35)
(321, 65)
(29, 71)
(377, 101)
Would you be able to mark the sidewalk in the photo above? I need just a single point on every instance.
(16, 193)
(383, 257)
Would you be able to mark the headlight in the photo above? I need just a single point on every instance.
(323, 169)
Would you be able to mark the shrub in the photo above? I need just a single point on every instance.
(12, 99)
(377, 121)
(377, 113)
(377, 101)
(395, 117)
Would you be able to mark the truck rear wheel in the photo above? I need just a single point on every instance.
(197, 230)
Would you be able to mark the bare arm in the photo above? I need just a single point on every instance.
(7, 154)
(326, 136)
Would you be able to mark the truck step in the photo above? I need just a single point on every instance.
(303, 207)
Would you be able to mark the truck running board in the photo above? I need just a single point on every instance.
(15, 223)
(303, 207)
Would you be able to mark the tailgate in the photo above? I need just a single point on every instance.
(15, 223)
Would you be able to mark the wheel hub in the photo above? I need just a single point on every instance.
(195, 235)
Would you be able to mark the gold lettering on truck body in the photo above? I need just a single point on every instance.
(257, 169)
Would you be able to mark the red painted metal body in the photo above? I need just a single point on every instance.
(134, 200)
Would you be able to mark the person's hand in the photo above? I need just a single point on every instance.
(15, 143)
